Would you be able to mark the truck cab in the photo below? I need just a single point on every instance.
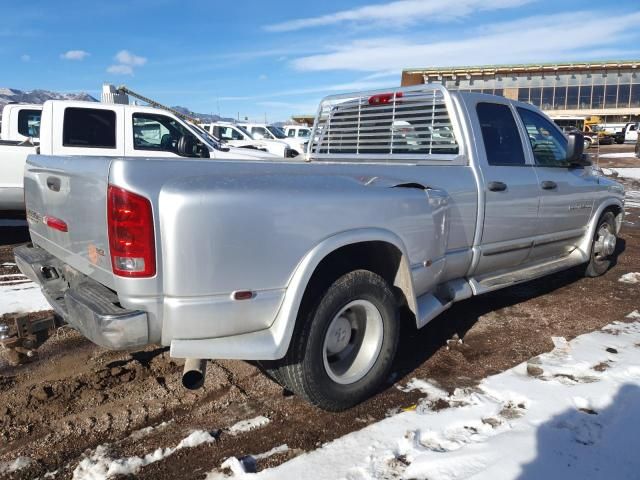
(299, 131)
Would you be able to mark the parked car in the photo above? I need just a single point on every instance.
(236, 136)
(307, 266)
(20, 122)
(263, 131)
(90, 129)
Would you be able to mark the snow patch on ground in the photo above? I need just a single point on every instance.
(617, 155)
(631, 277)
(624, 172)
(572, 413)
(146, 431)
(18, 464)
(99, 464)
(247, 425)
(239, 467)
(22, 298)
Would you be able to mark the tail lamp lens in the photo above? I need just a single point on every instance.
(131, 236)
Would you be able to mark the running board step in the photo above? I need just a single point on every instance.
(496, 282)
(431, 305)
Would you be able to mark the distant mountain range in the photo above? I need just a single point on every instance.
(203, 117)
(9, 95)
(13, 95)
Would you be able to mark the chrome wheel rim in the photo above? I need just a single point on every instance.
(605, 243)
(353, 342)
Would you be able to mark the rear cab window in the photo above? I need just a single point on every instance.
(500, 135)
(89, 128)
(29, 123)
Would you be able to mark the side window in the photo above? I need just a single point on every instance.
(548, 144)
(291, 133)
(303, 132)
(156, 132)
(259, 132)
(29, 123)
(235, 134)
(89, 128)
(229, 133)
(500, 135)
(632, 128)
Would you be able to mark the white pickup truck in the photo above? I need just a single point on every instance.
(410, 200)
(236, 136)
(76, 128)
(628, 133)
(264, 131)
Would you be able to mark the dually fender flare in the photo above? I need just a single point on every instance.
(284, 323)
(585, 246)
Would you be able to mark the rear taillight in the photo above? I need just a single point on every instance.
(131, 238)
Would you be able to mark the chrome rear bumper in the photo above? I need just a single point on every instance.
(85, 304)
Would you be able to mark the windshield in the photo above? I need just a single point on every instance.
(276, 131)
(206, 136)
(244, 130)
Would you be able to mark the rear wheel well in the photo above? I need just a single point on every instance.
(382, 258)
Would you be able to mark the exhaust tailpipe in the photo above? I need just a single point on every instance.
(193, 373)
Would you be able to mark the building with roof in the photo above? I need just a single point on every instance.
(610, 90)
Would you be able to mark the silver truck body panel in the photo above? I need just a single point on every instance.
(264, 227)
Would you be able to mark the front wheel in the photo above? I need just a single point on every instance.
(343, 346)
(603, 246)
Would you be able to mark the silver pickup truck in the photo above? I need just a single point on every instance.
(409, 199)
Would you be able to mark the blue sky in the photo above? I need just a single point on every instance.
(279, 58)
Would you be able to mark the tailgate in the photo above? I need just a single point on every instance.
(70, 192)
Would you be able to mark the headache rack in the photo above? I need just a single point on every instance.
(412, 123)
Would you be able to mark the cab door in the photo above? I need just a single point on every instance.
(566, 192)
(510, 188)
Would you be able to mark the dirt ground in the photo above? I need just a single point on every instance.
(77, 396)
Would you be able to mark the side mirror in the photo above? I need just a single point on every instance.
(575, 149)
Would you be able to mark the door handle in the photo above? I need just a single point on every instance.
(549, 185)
(497, 186)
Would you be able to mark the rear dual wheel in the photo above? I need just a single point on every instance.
(343, 344)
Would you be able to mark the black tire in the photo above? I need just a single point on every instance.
(600, 262)
(305, 369)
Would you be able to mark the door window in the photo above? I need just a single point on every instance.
(259, 133)
(291, 133)
(157, 132)
(229, 133)
(500, 135)
(549, 145)
(303, 132)
(89, 128)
